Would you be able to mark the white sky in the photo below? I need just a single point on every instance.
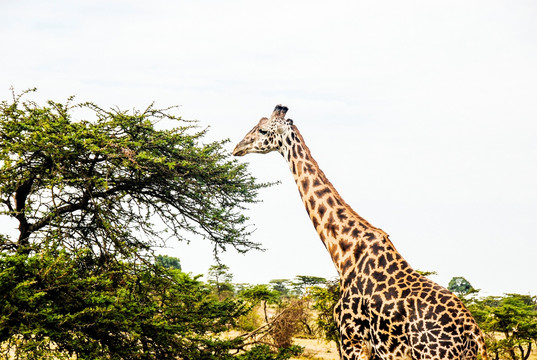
(423, 114)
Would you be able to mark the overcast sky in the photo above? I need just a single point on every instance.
(423, 114)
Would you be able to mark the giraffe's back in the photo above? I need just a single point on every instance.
(409, 317)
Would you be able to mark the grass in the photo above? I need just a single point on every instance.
(316, 349)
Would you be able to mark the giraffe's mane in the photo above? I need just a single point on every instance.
(322, 175)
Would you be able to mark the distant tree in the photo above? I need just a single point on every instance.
(302, 282)
(426, 273)
(325, 299)
(168, 262)
(221, 279)
(514, 316)
(261, 294)
(78, 279)
(460, 286)
(281, 286)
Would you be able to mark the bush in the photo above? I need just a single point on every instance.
(286, 324)
(264, 352)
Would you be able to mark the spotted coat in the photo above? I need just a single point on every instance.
(387, 310)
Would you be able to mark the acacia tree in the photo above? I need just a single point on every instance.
(60, 305)
(92, 198)
(325, 299)
(261, 293)
(168, 261)
(509, 323)
(461, 287)
(281, 286)
(220, 278)
(100, 183)
(303, 282)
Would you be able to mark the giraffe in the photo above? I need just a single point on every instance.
(386, 310)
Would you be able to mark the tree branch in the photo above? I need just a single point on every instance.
(20, 197)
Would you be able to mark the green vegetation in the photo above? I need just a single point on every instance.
(303, 282)
(509, 322)
(325, 299)
(60, 304)
(260, 294)
(220, 278)
(461, 287)
(101, 183)
(92, 200)
(168, 262)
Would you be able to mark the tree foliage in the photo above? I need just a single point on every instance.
(168, 262)
(461, 286)
(281, 286)
(67, 304)
(509, 322)
(92, 197)
(426, 272)
(260, 293)
(221, 279)
(325, 299)
(100, 183)
(302, 282)
(264, 352)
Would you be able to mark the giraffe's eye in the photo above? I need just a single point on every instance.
(263, 132)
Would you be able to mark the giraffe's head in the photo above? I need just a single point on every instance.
(267, 135)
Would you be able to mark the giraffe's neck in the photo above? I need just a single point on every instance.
(343, 232)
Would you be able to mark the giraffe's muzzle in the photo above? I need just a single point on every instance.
(241, 149)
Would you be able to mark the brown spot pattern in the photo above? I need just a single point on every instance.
(386, 310)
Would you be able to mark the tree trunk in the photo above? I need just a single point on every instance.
(265, 311)
(20, 197)
(510, 350)
(526, 355)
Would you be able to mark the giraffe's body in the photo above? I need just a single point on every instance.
(386, 310)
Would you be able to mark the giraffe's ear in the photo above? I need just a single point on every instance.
(263, 122)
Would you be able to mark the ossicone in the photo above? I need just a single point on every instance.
(279, 111)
